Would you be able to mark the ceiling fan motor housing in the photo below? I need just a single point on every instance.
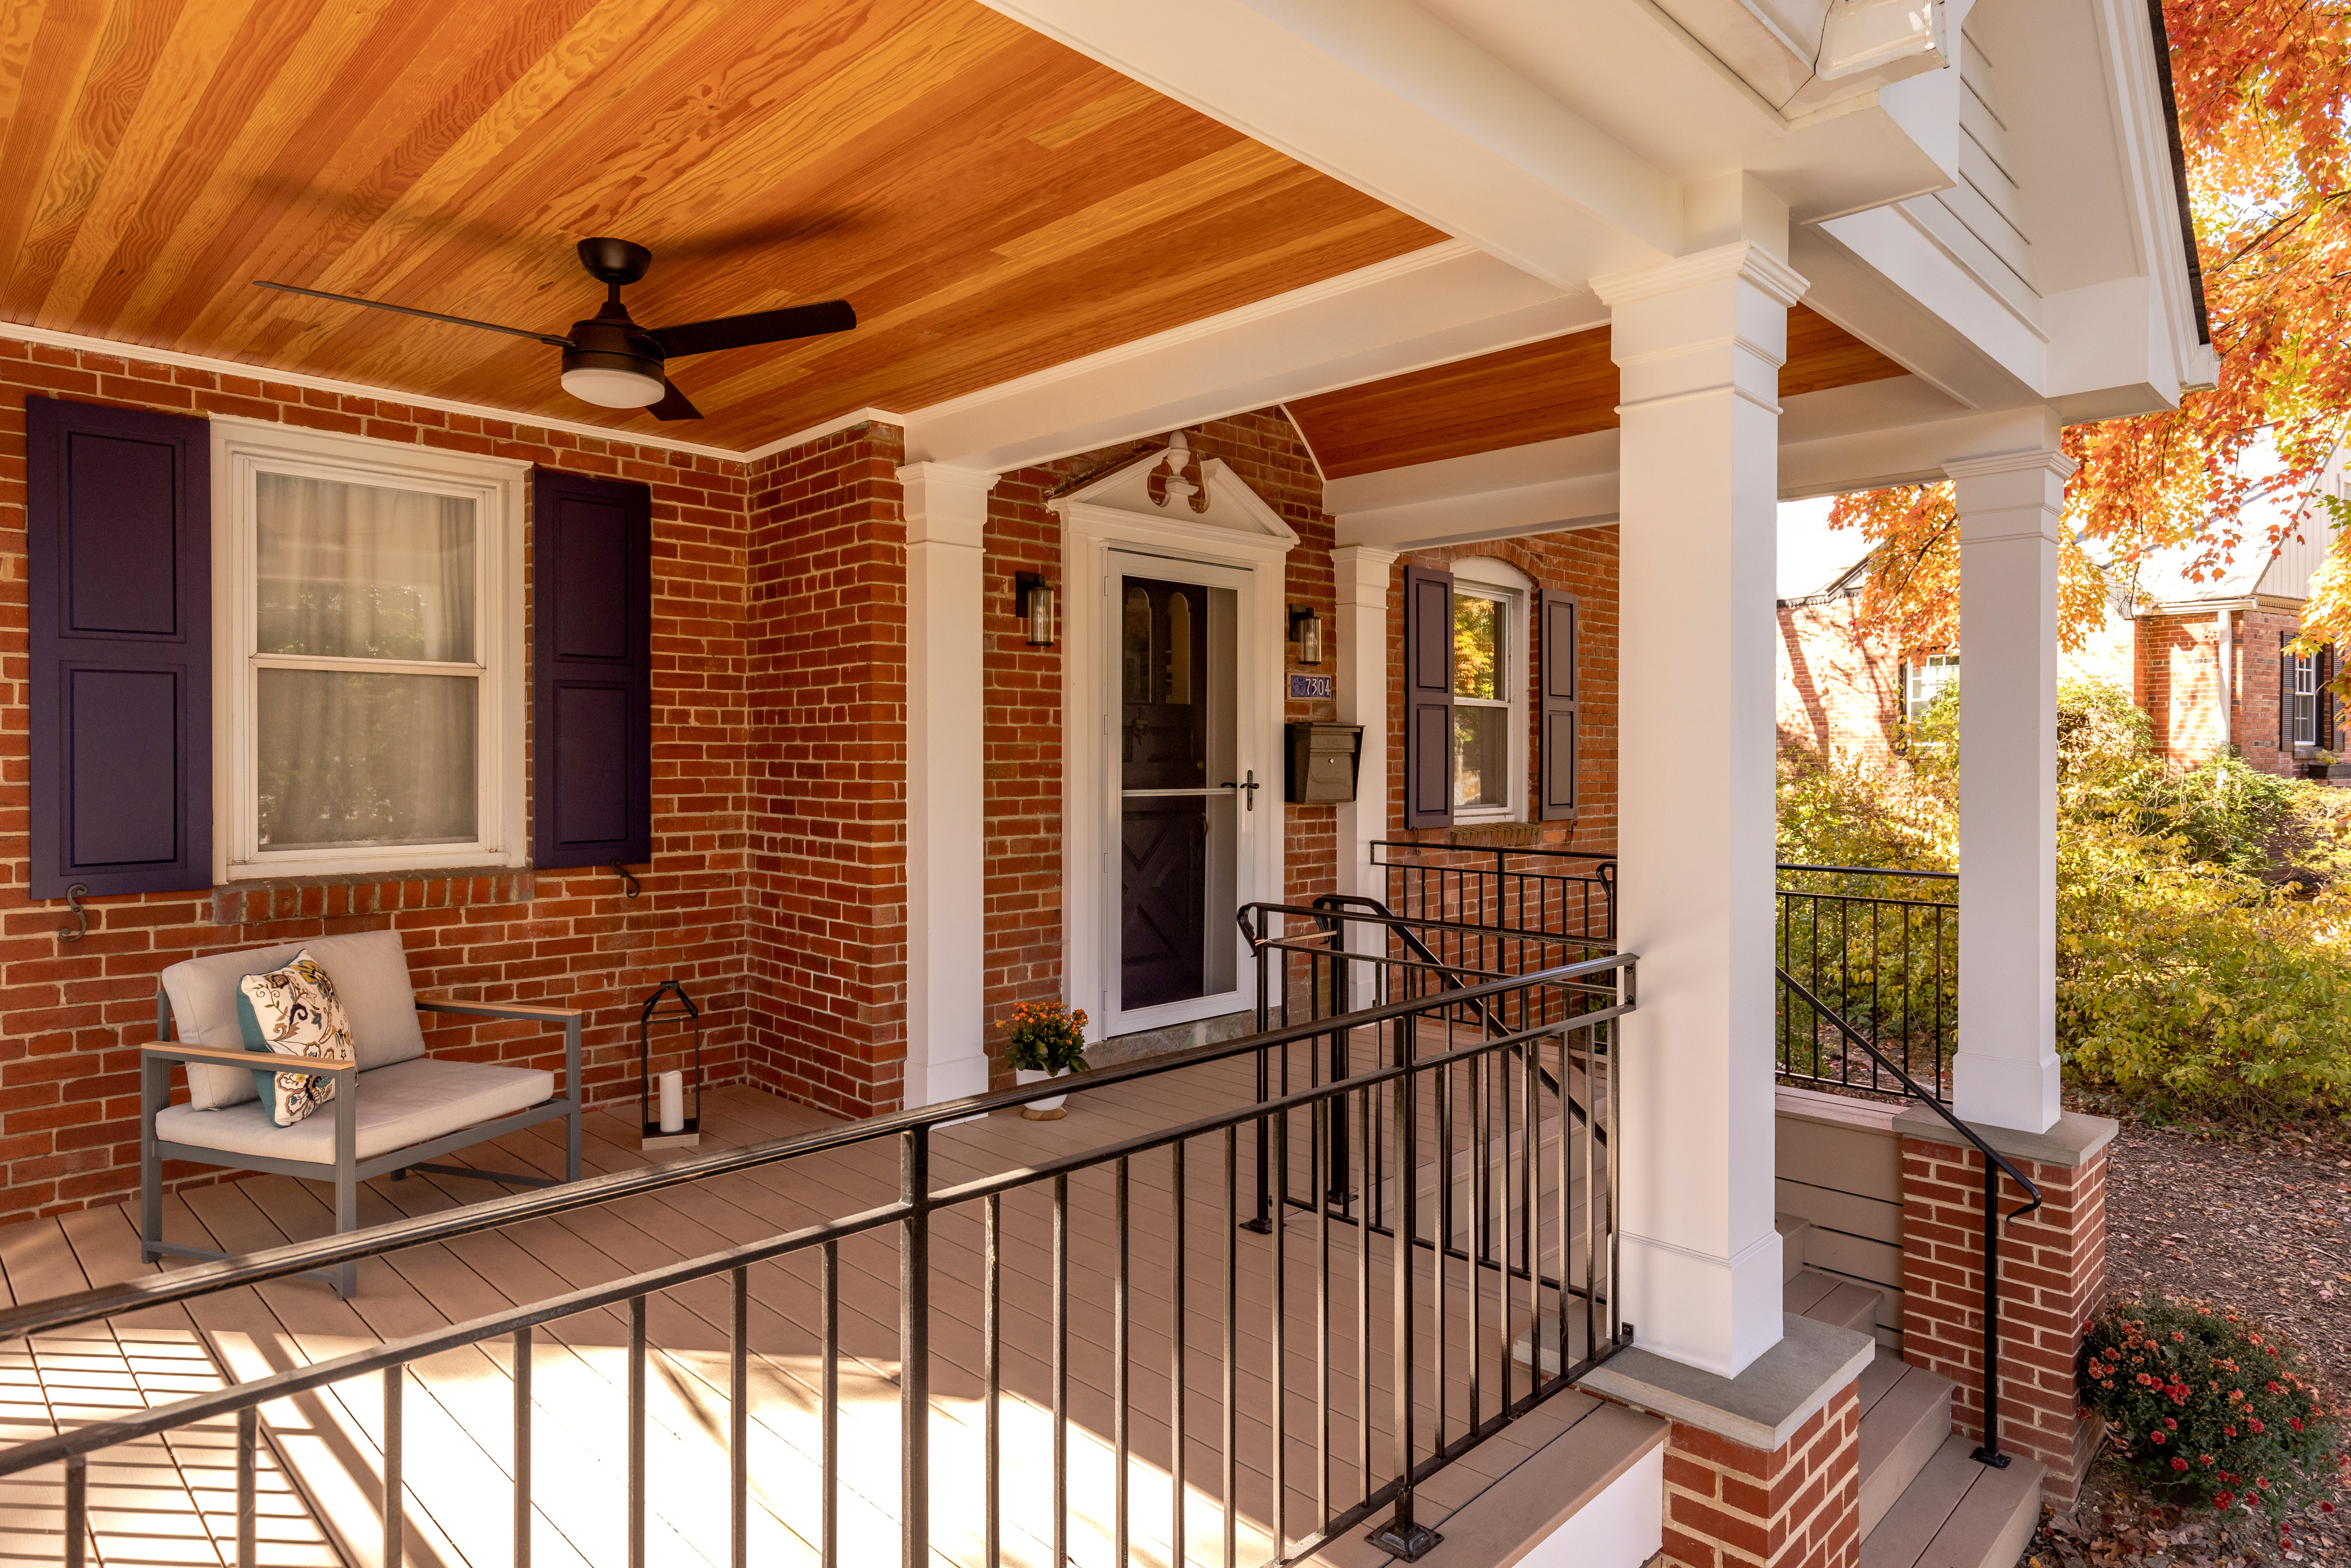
(614, 363)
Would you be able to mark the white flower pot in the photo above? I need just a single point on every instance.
(1049, 1109)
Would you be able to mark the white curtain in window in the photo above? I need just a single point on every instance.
(351, 756)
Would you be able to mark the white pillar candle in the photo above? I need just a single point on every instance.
(673, 1101)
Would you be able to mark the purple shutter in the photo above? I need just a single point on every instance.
(119, 537)
(1427, 698)
(1558, 719)
(592, 671)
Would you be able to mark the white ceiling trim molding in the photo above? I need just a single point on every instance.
(823, 428)
(80, 343)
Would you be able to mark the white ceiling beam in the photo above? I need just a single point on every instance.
(1435, 306)
(1384, 96)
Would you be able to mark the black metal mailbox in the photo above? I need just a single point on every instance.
(1322, 762)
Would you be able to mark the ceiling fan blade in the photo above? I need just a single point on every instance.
(759, 326)
(674, 405)
(548, 338)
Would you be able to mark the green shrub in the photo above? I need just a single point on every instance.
(2200, 963)
(2206, 1406)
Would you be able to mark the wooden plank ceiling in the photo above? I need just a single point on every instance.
(990, 202)
(1539, 391)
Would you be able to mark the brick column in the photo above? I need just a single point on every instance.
(1762, 1471)
(2053, 1276)
(1795, 1506)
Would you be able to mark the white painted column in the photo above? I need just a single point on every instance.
(947, 1029)
(1361, 647)
(1699, 341)
(2006, 1072)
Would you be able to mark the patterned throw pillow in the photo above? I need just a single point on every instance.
(294, 1012)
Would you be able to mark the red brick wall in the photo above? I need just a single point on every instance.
(1839, 688)
(1582, 562)
(2053, 1268)
(1731, 1506)
(72, 1016)
(2179, 683)
(826, 885)
(1023, 690)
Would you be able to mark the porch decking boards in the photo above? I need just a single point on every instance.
(458, 1411)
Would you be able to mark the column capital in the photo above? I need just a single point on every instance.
(1362, 574)
(2046, 460)
(944, 504)
(1741, 259)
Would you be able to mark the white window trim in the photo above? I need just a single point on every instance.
(241, 449)
(1912, 708)
(2304, 717)
(1483, 577)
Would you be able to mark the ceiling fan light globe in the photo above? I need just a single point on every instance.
(612, 387)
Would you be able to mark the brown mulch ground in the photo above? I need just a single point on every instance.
(2255, 1222)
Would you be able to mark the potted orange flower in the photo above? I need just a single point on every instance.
(1044, 1041)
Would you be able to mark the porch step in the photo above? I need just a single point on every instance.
(1825, 1298)
(1959, 1514)
(1792, 1231)
(1906, 1414)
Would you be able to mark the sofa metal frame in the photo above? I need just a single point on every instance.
(348, 1170)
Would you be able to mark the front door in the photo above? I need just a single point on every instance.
(1180, 795)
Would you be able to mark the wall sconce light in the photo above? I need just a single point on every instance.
(1306, 630)
(1033, 596)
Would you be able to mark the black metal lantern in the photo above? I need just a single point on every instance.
(667, 1126)
(1306, 630)
(1033, 596)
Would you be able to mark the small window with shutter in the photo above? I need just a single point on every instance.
(372, 658)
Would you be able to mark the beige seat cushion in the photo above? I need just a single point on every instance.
(371, 974)
(405, 1104)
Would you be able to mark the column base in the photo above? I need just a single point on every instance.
(928, 1083)
(2004, 1091)
(1716, 1314)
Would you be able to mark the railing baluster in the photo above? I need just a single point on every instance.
(914, 1347)
(828, 1328)
(1179, 1323)
(1121, 1353)
(991, 1359)
(739, 1419)
(393, 1513)
(248, 1434)
(77, 1510)
(1060, 1370)
(636, 1434)
(522, 1411)
(1231, 1493)
(1363, 1131)
(1278, 1352)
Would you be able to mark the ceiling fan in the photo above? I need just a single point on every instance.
(608, 359)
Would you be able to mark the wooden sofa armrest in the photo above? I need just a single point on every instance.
(217, 1056)
(503, 1010)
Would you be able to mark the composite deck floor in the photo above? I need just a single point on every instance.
(171, 1501)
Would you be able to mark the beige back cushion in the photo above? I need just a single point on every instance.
(371, 975)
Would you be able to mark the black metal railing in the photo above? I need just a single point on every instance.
(1448, 1338)
(1484, 889)
(1883, 952)
(1994, 1166)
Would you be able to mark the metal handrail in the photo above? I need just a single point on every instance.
(1387, 1093)
(300, 1257)
(1995, 1164)
(1872, 871)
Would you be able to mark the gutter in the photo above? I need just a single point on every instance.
(2179, 171)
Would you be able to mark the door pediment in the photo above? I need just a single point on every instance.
(1170, 495)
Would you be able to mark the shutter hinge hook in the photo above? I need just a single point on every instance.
(625, 875)
(80, 927)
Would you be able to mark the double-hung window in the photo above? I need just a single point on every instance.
(1928, 678)
(1490, 691)
(2305, 699)
(369, 682)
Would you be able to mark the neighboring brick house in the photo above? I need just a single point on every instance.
(2174, 644)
